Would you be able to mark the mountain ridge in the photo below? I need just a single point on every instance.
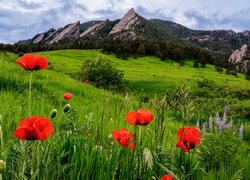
(132, 25)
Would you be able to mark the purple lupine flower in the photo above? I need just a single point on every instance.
(230, 124)
(205, 124)
(241, 130)
(217, 119)
(224, 119)
(210, 122)
(220, 129)
(225, 109)
(198, 125)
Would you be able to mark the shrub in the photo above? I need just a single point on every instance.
(102, 74)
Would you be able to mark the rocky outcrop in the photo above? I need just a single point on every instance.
(72, 31)
(126, 22)
(92, 30)
(52, 35)
(237, 58)
(38, 39)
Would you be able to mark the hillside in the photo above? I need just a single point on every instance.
(217, 40)
(156, 77)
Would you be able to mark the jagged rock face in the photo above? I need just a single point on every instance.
(126, 22)
(73, 31)
(92, 30)
(53, 34)
(237, 58)
(38, 39)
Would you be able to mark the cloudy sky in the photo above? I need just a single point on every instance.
(22, 19)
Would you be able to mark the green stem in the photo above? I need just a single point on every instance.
(30, 93)
(59, 120)
(33, 160)
(139, 136)
(1, 136)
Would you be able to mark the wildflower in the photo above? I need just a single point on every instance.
(141, 117)
(241, 130)
(205, 124)
(224, 119)
(124, 137)
(86, 81)
(67, 96)
(217, 119)
(34, 128)
(32, 62)
(166, 177)
(229, 125)
(225, 109)
(210, 122)
(189, 139)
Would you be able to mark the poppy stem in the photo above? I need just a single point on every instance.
(33, 160)
(59, 120)
(139, 136)
(30, 93)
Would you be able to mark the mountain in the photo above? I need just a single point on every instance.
(241, 58)
(52, 36)
(131, 25)
(217, 40)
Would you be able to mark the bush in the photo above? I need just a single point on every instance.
(102, 74)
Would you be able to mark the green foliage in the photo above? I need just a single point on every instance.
(220, 150)
(102, 74)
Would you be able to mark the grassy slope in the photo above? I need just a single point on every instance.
(149, 73)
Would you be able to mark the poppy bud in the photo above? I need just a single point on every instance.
(66, 108)
(2, 166)
(53, 113)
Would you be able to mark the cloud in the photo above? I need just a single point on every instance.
(22, 19)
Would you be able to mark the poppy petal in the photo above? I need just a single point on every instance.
(116, 135)
(43, 125)
(147, 115)
(131, 117)
(20, 133)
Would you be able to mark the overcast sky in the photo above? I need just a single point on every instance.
(22, 19)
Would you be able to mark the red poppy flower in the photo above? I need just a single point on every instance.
(189, 139)
(124, 137)
(141, 117)
(32, 62)
(86, 81)
(34, 128)
(166, 177)
(67, 96)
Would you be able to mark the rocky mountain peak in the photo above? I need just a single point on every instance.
(126, 22)
(72, 31)
(93, 29)
(237, 58)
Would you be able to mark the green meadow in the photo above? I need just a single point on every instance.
(148, 73)
(82, 146)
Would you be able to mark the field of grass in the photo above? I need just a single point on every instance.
(148, 73)
(82, 147)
